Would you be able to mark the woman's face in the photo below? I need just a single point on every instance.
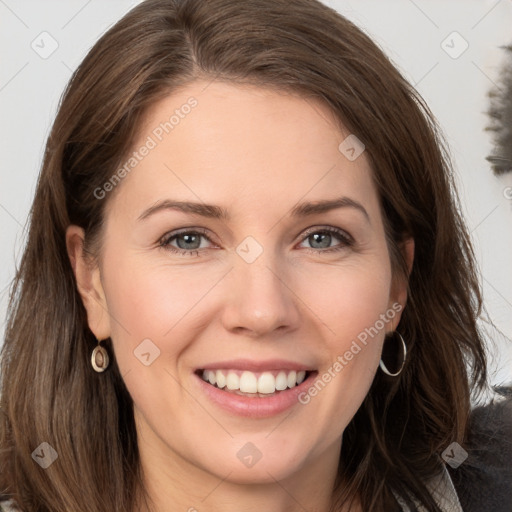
(251, 280)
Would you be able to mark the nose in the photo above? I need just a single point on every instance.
(260, 298)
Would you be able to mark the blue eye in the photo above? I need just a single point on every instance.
(188, 243)
(323, 238)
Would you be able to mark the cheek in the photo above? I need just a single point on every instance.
(160, 302)
(150, 299)
(349, 302)
(347, 298)
(153, 309)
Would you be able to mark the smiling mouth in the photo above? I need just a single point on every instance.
(254, 384)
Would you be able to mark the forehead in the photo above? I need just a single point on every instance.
(243, 146)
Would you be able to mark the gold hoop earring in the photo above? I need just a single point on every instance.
(404, 350)
(99, 358)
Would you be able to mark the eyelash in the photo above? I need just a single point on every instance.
(164, 242)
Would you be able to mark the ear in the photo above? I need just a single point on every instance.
(88, 280)
(398, 293)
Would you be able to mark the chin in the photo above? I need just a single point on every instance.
(250, 465)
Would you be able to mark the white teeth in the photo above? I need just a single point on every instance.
(221, 379)
(266, 383)
(292, 379)
(249, 382)
(281, 381)
(233, 381)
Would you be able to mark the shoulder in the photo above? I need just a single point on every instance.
(484, 479)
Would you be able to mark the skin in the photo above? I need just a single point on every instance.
(256, 153)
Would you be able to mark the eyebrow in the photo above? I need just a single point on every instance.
(216, 212)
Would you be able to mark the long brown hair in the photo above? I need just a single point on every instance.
(49, 392)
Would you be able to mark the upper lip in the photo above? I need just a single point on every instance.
(257, 366)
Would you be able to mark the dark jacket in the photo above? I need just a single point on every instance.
(484, 480)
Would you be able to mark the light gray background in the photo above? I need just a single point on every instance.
(410, 31)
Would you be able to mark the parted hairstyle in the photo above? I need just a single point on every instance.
(50, 393)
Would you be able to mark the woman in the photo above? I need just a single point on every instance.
(247, 285)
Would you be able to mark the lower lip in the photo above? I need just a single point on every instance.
(255, 407)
